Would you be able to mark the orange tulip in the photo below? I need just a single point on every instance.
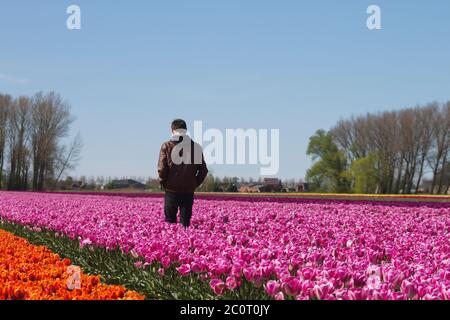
(30, 272)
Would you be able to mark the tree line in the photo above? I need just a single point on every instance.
(392, 152)
(32, 132)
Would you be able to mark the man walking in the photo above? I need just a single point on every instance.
(181, 169)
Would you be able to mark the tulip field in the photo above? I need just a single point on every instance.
(241, 248)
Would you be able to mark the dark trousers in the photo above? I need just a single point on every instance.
(174, 201)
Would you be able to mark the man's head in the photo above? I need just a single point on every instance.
(178, 125)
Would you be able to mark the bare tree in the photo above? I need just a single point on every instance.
(426, 138)
(438, 158)
(68, 157)
(51, 121)
(446, 146)
(31, 131)
(5, 107)
(382, 132)
(18, 135)
(351, 136)
(411, 132)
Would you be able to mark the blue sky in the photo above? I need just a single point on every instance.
(296, 66)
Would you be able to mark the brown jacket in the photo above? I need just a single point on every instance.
(181, 177)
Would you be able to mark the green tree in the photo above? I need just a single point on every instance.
(208, 185)
(109, 186)
(328, 173)
(363, 172)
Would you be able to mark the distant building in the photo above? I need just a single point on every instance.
(253, 188)
(303, 187)
(127, 184)
(426, 187)
(268, 185)
(272, 182)
(78, 185)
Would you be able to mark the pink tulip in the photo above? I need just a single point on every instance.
(165, 262)
(85, 242)
(184, 269)
(279, 296)
(248, 274)
(291, 287)
(218, 286)
(409, 289)
(231, 283)
(272, 288)
(374, 282)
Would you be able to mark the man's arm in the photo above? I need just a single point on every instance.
(163, 166)
(202, 172)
